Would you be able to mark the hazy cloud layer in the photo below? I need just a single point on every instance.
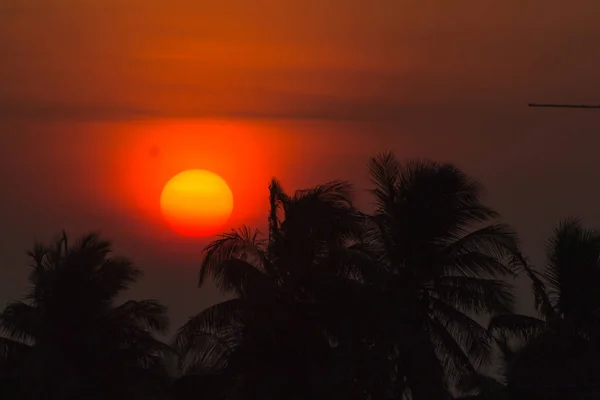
(298, 59)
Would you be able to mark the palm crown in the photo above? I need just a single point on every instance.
(279, 284)
(558, 347)
(68, 335)
(441, 256)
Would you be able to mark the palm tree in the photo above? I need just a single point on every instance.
(281, 333)
(68, 339)
(560, 347)
(440, 256)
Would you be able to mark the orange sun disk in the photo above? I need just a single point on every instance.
(196, 203)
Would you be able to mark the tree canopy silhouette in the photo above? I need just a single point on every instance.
(330, 302)
(277, 333)
(67, 339)
(420, 262)
(560, 349)
(441, 256)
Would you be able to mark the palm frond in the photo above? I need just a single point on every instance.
(473, 338)
(475, 265)
(378, 238)
(115, 275)
(454, 359)
(509, 353)
(21, 321)
(210, 336)
(147, 314)
(519, 326)
(90, 251)
(452, 199)
(83, 269)
(211, 320)
(276, 192)
(140, 348)
(242, 244)
(475, 295)
(332, 192)
(241, 277)
(13, 350)
(37, 254)
(44, 260)
(357, 261)
(563, 251)
(480, 252)
(324, 213)
(93, 242)
(542, 300)
(384, 171)
(434, 206)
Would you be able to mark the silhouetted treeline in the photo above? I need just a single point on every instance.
(330, 303)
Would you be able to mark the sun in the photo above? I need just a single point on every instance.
(196, 203)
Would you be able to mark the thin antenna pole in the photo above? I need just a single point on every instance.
(563, 105)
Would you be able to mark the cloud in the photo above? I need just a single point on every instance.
(303, 107)
(52, 111)
(298, 60)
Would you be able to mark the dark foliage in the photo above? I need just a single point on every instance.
(329, 303)
(69, 340)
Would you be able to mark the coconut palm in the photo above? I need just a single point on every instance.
(441, 256)
(282, 332)
(560, 346)
(68, 339)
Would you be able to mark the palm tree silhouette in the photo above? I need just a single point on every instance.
(560, 348)
(274, 338)
(67, 339)
(439, 259)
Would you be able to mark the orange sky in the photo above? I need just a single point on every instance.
(305, 90)
(115, 59)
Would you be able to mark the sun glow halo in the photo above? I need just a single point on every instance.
(196, 202)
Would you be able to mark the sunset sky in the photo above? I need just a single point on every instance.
(101, 102)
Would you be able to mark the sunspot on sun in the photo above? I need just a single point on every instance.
(196, 203)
